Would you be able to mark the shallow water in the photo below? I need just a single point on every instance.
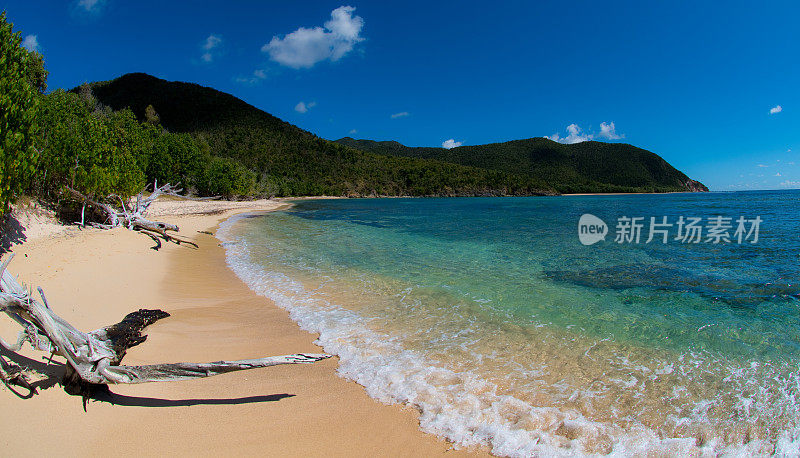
(491, 317)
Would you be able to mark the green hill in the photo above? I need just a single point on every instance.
(582, 167)
(291, 161)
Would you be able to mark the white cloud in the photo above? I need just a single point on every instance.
(212, 43)
(31, 43)
(402, 114)
(90, 5)
(353, 132)
(609, 131)
(775, 109)
(763, 165)
(575, 135)
(450, 144)
(790, 184)
(258, 75)
(306, 47)
(303, 107)
(778, 174)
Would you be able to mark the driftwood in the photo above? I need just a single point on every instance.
(132, 214)
(93, 359)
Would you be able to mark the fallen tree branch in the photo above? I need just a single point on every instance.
(131, 214)
(94, 359)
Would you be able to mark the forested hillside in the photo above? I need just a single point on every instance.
(581, 167)
(288, 160)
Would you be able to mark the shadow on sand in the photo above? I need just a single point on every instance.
(51, 373)
(135, 401)
(11, 232)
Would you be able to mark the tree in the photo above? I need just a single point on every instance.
(22, 77)
(151, 116)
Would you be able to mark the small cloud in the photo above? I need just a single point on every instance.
(609, 131)
(763, 165)
(303, 107)
(211, 47)
(212, 42)
(450, 144)
(402, 114)
(775, 109)
(306, 47)
(258, 75)
(790, 184)
(31, 43)
(778, 174)
(353, 132)
(574, 135)
(90, 5)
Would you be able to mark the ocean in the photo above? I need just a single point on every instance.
(676, 330)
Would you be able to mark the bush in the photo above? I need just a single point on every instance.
(95, 151)
(227, 178)
(22, 76)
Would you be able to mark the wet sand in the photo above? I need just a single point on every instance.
(93, 278)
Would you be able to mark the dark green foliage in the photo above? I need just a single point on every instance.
(101, 152)
(226, 177)
(22, 76)
(176, 158)
(97, 152)
(581, 167)
(288, 160)
(221, 145)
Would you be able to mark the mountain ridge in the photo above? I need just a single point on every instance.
(291, 161)
(566, 167)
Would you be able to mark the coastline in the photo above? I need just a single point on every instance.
(93, 278)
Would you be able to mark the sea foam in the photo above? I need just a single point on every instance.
(460, 406)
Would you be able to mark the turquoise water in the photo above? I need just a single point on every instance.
(491, 317)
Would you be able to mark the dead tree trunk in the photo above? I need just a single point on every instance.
(131, 214)
(94, 359)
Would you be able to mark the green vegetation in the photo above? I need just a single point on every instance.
(586, 167)
(288, 160)
(22, 79)
(100, 152)
(111, 138)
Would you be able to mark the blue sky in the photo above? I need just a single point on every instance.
(698, 83)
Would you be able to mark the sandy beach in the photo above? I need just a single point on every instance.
(93, 278)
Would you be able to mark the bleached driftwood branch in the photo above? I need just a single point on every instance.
(94, 358)
(132, 214)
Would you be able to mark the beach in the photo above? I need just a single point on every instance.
(93, 278)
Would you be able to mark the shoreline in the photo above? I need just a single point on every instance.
(93, 278)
